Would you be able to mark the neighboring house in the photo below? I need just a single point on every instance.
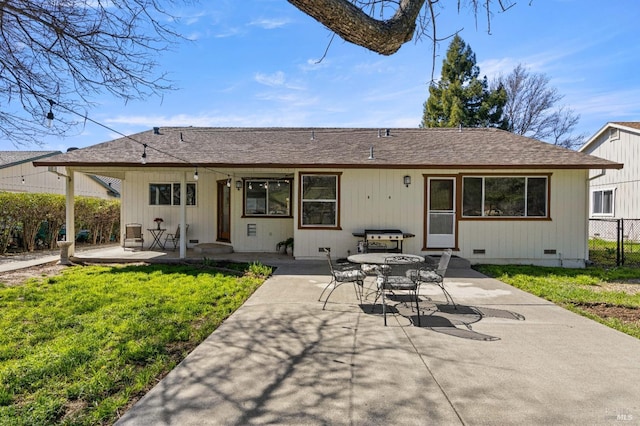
(17, 174)
(615, 193)
(492, 196)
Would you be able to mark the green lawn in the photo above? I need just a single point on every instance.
(576, 289)
(603, 252)
(79, 347)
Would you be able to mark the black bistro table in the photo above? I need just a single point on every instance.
(156, 233)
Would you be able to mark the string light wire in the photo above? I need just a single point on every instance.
(145, 146)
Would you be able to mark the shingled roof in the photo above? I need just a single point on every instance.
(328, 147)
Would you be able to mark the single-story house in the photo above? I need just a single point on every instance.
(615, 193)
(17, 174)
(490, 195)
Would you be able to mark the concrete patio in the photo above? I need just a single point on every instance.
(504, 357)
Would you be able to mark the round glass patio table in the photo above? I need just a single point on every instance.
(381, 258)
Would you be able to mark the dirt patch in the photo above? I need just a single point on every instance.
(603, 310)
(19, 276)
(630, 287)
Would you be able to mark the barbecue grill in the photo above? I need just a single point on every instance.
(386, 240)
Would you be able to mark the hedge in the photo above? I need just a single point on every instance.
(30, 220)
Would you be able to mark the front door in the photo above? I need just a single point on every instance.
(441, 212)
(224, 211)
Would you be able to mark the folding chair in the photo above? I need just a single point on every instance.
(175, 238)
(133, 234)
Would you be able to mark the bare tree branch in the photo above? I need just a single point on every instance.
(70, 51)
(531, 108)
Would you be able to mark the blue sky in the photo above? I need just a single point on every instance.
(255, 63)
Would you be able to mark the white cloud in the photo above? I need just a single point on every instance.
(272, 80)
(269, 24)
(228, 32)
(277, 79)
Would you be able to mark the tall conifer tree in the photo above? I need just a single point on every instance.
(460, 98)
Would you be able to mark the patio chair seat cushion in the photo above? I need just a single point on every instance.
(427, 276)
(349, 275)
(369, 269)
(396, 282)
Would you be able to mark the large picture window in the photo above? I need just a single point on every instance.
(602, 202)
(167, 194)
(319, 194)
(267, 197)
(502, 196)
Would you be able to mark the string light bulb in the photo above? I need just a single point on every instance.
(23, 179)
(195, 174)
(229, 182)
(50, 114)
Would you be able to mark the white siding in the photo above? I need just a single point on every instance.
(40, 180)
(373, 198)
(202, 218)
(513, 241)
(625, 182)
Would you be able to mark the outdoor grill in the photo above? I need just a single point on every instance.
(383, 234)
(386, 240)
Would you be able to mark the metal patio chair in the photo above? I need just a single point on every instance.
(400, 273)
(340, 275)
(436, 275)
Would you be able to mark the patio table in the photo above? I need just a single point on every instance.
(156, 233)
(381, 258)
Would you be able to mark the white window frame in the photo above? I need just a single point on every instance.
(174, 195)
(592, 202)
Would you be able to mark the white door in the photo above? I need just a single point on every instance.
(441, 212)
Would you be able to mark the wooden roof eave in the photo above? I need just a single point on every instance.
(372, 164)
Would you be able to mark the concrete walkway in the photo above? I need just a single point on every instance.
(505, 357)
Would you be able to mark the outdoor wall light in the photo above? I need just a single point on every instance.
(238, 185)
(407, 180)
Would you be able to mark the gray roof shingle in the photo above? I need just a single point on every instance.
(329, 147)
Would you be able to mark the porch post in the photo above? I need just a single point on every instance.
(70, 211)
(183, 216)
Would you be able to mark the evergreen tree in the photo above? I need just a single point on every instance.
(461, 98)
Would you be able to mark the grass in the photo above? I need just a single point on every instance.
(603, 252)
(79, 347)
(574, 289)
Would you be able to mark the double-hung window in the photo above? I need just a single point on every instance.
(267, 197)
(167, 194)
(602, 202)
(505, 196)
(319, 200)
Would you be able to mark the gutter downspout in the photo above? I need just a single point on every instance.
(599, 175)
(588, 204)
